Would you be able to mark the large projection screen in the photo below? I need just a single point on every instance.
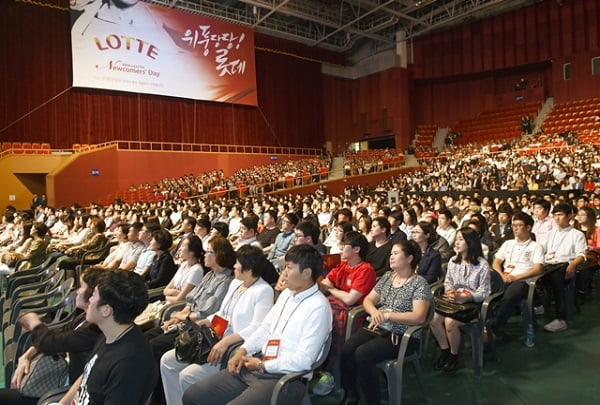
(133, 46)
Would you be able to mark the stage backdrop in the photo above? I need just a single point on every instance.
(146, 48)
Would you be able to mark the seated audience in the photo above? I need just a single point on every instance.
(285, 239)
(120, 368)
(244, 307)
(586, 223)
(400, 299)
(287, 348)
(77, 338)
(202, 301)
(340, 229)
(517, 260)
(36, 251)
(190, 271)
(163, 267)
(467, 279)
(95, 240)
(564, 250)
(269, 232)
(430, 265)
(345, 287)
(378, 253)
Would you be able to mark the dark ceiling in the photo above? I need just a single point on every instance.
(347, 25)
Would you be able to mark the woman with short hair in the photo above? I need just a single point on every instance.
(400, 299)
(248, 300)
(163, 266)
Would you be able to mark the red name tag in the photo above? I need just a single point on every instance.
(272, 349)
(219, 325)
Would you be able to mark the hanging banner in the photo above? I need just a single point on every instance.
(133, 46)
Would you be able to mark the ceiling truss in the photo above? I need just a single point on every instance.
(340, 25)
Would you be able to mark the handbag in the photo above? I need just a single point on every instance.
(193, 343)
(46, 372)
(465, 312)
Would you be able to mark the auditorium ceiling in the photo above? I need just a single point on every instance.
(347, 25)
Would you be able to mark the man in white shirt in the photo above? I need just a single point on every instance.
(564, 248)
(132, 255)
(279, 346)
(146, 256)
(543, 221)
(235, 220)
(445, 228)
(517, 260)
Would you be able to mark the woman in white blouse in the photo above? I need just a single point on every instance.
(248, 300)
(190, 270)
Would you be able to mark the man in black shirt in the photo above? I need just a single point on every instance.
(121, 368)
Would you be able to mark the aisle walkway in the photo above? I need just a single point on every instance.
(561, 369)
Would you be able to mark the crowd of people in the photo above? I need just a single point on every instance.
(261, 266)
(370, 161)
(248, 181)
(529, 165)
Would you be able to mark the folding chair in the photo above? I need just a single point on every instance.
(300, 375)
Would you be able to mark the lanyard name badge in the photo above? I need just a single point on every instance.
(272, 350)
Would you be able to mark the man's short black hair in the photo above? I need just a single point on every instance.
(564, 208)
(357, 239)
(308, 228)
(203, 222)
(191, 221)
(384, 223)
(306, 257)
(293, 218)
(397, 215)
(545, 204)
(125, 292)
(524, 217)
(250, 222)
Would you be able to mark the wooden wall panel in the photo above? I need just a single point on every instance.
(509, 48)
(566, 29)
(520, 41)
(591, 17)
(340, 111)
(536, 33)
(37, 103)
(543, 34)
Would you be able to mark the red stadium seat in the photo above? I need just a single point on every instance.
(17, 147)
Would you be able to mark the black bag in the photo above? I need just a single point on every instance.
(193, 343)
(465, 312)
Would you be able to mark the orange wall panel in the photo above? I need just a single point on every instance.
(117, 170)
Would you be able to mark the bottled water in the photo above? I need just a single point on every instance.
(529, 336)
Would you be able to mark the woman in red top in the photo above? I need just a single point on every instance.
(586, 223)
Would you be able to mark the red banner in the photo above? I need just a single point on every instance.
(145, 48)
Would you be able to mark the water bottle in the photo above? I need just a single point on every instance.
(529, 336)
